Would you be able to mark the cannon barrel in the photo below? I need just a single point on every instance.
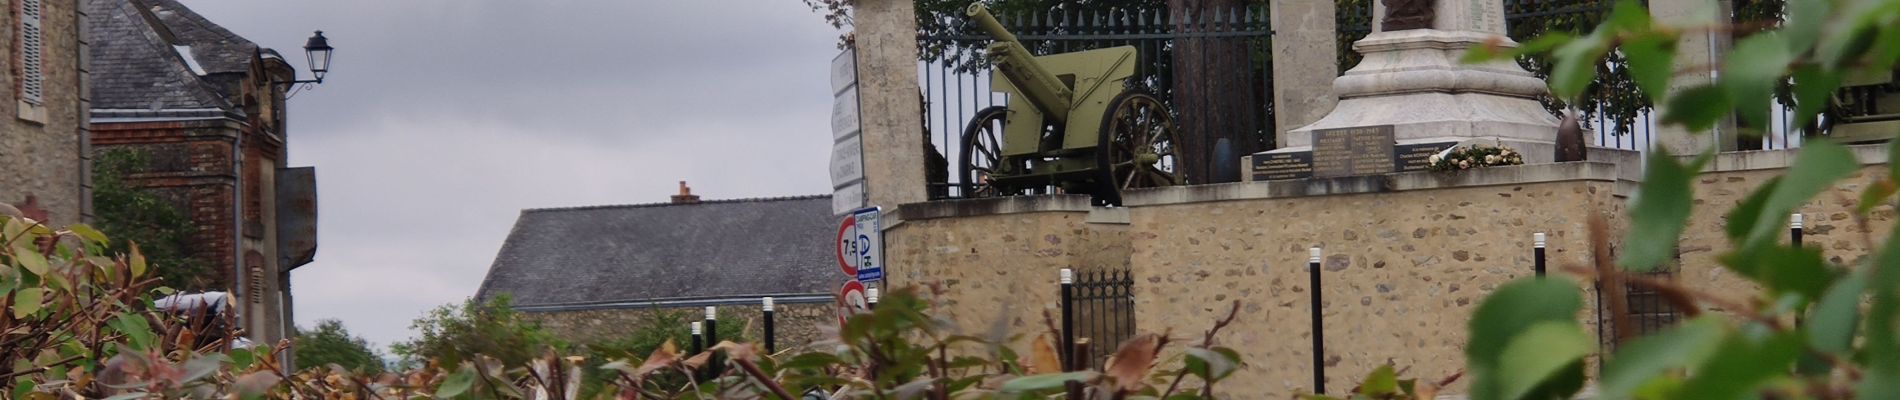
(981, 14)
(1043, 90)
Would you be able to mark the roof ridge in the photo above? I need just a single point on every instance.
(669, 204)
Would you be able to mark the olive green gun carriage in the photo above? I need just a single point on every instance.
(1071, 124)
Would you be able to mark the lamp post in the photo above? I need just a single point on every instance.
(317, 51)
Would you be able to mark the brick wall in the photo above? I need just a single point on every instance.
(191, 165)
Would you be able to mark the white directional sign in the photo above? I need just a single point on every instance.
(844, 114)
(847, 161)
(847, 151)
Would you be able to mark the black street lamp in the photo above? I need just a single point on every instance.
(318, 49)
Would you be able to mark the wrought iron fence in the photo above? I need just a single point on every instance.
(1649, 312)
(1615, 111)
(1207, 65)
(1104, 311)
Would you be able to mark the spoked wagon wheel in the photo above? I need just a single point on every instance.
(1136, 148)
(983, 154)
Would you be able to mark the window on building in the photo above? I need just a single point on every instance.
(32, 82)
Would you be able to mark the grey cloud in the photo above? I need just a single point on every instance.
(442, 119)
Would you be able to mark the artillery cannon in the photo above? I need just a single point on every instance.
(1072, 123)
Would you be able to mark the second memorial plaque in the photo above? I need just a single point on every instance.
(1353, 151)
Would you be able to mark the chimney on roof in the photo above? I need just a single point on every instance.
(686, 195)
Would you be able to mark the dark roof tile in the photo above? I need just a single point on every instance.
(660, 251)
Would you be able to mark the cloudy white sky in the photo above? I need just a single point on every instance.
(442, 119)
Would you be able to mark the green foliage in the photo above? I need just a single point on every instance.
(331, 343)
(52, 278)
(451, 334)
(1847, 346)
(136, 215)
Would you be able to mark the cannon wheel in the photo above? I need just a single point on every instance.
(982, 153)
(1136, 148)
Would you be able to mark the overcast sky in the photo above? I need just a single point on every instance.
(442, 119)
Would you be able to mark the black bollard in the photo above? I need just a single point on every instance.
(1319, 344)
(712, 339)
(771, 339)
(1537, 252)
(1795, 229)
(1067, 279)
(697, 347)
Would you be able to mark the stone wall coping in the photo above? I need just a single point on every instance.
(790, 298)
(993, 206)
(1493, 176)
(1777, 159)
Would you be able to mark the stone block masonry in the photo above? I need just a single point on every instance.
(44, 144)
(1408, 258)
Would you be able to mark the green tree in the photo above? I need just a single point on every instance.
(1526, 342)
(331, 343)
(451, 333)
(136, 215)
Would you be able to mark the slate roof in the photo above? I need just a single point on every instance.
(134, 66)
(631, 253)
(138, 72)
(216, 48)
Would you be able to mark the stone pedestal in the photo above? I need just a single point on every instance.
(1413, 82)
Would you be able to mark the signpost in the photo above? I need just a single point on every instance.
(847, 151)
(851, 301)
(861, 259)
(861, 246)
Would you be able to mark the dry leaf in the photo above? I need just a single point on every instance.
(1425, 391)
(698, 360)
(738, 351)
(1133, 360)
(661, 358)
(1044, 357)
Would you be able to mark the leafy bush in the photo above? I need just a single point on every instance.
(1526, 342)
(331, 343)
(82, 325)
(452, 334)
(137, 215)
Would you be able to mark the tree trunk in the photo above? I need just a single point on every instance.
(1214, 91)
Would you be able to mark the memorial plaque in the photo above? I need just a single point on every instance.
(1416, 156)
(1279, 166)
(1367, 150)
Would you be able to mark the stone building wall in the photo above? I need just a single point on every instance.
(997, 261)
(796, 324)
(1402, 271)
(1830, 222)
(1408, 259)
(43, 145)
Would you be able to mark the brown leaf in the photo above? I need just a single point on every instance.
(661, 358)
(698, 360)
(1133, 360)
(1425, 391)
(738, 351)
(1044, 359)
